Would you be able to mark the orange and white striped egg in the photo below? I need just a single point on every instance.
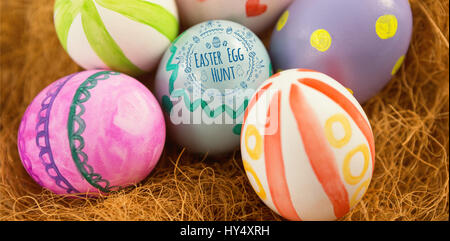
(307, 146)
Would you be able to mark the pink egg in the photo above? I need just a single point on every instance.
(257, 15)
(307, 146)
(91, 132)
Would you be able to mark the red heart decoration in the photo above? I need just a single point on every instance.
(254, 8)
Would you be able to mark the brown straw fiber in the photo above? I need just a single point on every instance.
(410, 120)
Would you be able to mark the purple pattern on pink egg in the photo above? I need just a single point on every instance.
(358, 56)
(124, 134)
(26, 162)
(43, 137)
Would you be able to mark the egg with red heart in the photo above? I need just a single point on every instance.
(257, 15)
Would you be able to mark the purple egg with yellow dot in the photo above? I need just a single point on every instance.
(362, 44)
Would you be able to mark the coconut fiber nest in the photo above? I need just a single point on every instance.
(410, 120)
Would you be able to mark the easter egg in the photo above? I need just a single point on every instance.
(257, 15)
(91, 132)
(204, 83)
(129, 36)
(361, 44)
(307, 146)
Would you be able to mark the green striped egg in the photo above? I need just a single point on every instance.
(128, 36)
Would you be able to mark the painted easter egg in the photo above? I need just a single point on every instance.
(129, 36)
(361, 44)
(257, 15)
(205, 81)
(307, 146)
(91, 132)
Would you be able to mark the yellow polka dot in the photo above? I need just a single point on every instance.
(283, 20)
(342, 119)
(361, 189)
(386, 26)
(256, 151)
(261, 193)
(398, 65)
(321, 40)
(350, 90)
(349, 178)
(279, 70)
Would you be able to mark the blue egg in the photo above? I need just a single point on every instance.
(224, 66)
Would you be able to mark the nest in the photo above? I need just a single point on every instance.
(410, 120)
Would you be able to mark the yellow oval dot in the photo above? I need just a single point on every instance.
(283, 20)
(261, 193)
(386, 26)
(321, 40)
(361, 189)
(253, 152)
(341, 119)
(398, 65)
(350, 90)
(349, 178)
